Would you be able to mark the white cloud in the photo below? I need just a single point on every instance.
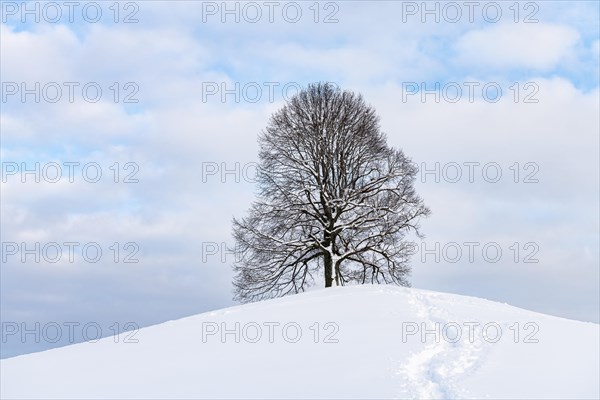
(534, 46)
(44, 55)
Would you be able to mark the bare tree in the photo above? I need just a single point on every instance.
(334, 200)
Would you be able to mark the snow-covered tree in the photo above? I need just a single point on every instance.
(334, 200)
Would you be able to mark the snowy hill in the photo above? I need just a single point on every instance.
(351, 342)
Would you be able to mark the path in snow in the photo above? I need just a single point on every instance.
(432, 372)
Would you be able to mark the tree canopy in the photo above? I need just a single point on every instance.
(335, 202)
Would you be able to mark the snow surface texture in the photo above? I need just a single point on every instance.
(355, 342)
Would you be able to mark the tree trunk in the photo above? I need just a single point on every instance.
(328, 268)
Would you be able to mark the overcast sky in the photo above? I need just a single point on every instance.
(499, 105)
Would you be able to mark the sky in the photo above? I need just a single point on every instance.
(128, 144)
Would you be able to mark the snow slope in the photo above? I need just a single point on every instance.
(362, 347)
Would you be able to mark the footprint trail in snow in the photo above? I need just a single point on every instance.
(446, 358)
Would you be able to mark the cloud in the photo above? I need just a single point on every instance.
(24, 52)
(539, 47)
